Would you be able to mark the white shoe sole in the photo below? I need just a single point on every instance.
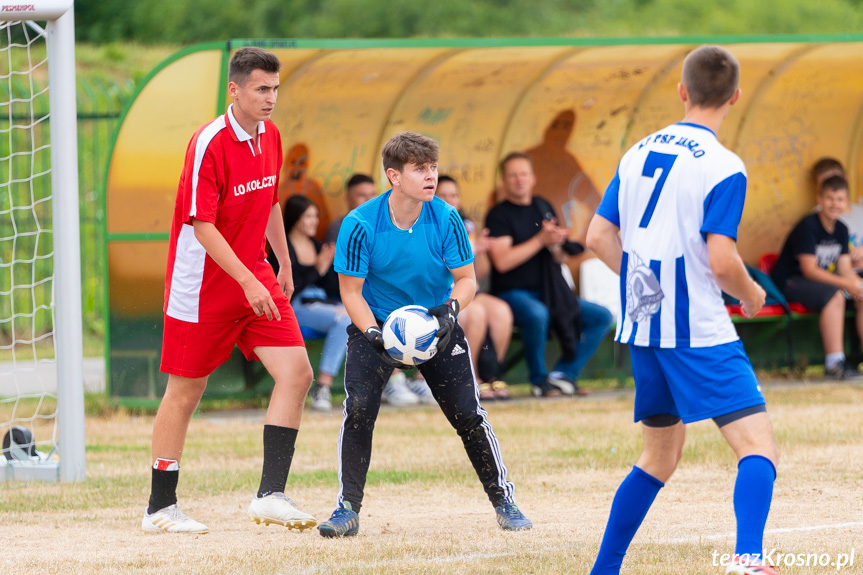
(299, 524)
(291, 518)
(149, 527)
(564, 386)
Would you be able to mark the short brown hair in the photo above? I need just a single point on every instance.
(513, 156)
(833, 184)
(248, 59)
(825, 165)
(711, 75)
(409, 148)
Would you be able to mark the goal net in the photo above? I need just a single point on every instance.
(41, 381)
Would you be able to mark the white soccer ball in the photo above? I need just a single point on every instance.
(410, 335)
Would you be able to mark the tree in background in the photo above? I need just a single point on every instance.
(191, 21)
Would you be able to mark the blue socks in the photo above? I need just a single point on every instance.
(753, 493)
(631, 503)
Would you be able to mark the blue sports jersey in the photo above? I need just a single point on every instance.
(672, 189)
(402, 267)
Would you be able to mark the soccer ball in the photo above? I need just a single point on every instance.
(410, 335)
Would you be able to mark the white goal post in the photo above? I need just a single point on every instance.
(66, 458)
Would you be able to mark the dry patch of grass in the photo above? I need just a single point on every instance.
(425, 511)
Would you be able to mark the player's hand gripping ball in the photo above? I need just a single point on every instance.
(445, 314)
(376, 338)
(410, 335)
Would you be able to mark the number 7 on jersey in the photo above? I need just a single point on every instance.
(655, 161)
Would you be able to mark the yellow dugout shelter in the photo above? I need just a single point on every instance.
(574, 104)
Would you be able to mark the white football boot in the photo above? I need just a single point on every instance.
(279, 509)
(171, 520)
(397, 393)
(421, 389)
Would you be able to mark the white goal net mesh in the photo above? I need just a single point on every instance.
(28, 386)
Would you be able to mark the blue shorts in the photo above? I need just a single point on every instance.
(693, 383)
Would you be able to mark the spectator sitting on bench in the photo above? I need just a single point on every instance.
(359, 189)
(824, 168)
(827, 167)
(488, 320)
(316, 301)
(853, 218)
(814, 269)
(526, 273)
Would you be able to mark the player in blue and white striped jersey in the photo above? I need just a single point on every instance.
(668, 224)
(678, 185)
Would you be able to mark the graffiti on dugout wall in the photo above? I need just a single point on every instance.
(781, 161)
(333, 175)
(297, 181)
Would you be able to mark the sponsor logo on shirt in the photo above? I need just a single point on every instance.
(255, 185)
(643, 293)
(827, 254)
(687, 143)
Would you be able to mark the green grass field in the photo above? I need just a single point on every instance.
(425, 511)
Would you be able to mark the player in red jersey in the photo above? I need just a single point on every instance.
(220, 291)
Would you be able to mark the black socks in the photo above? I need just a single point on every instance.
(163, 490)
(278, 454)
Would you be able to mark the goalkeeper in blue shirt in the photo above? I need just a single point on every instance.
(409, 247)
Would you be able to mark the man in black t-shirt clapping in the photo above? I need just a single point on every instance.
(526, 272)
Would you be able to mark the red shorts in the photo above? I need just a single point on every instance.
(197, 349)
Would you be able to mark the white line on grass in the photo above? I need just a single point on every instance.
(430, 560)
(766, 532)
(545, 549)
